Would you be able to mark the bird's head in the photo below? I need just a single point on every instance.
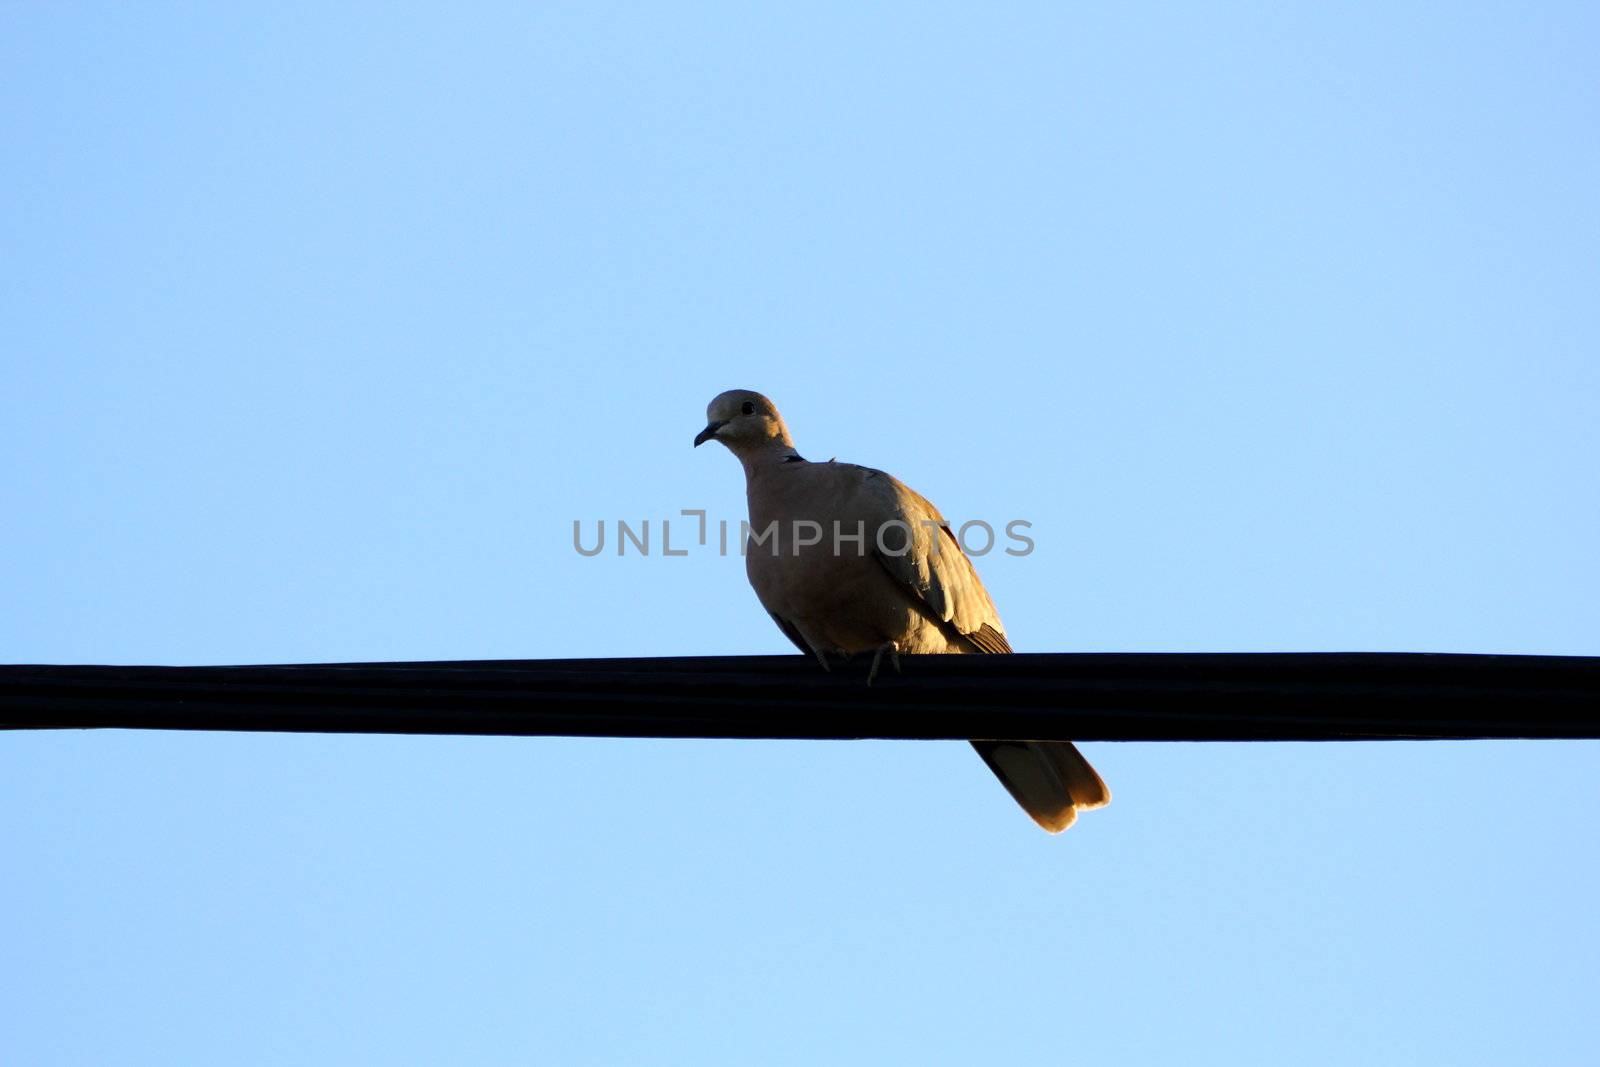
(745, 421)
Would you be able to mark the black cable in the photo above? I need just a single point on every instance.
(1085, 697)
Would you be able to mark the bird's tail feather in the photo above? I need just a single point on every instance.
(1050, 779)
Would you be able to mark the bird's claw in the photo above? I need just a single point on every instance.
(893, 649)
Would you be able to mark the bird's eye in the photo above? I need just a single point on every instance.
(749, 408)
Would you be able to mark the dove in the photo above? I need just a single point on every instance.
(849, 560)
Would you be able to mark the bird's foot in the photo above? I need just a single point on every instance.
(893, 649)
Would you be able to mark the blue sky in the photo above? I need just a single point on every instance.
(322, 324)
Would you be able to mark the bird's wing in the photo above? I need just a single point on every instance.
(933, 571)
(791, 633)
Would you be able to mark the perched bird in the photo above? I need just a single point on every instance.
(847, 560)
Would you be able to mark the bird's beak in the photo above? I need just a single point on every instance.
(708, 433)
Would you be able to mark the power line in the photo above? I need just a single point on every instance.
(1085, 697)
